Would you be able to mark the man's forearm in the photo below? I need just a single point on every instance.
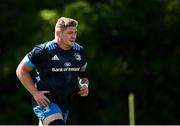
(84, 80)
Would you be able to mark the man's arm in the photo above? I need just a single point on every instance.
(83, 83)
(84, 87)
(23, 73)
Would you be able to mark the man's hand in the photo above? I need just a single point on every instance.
(41, 99)
(84, 91)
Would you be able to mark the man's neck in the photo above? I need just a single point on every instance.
(61, 44)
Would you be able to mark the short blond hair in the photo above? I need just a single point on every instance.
(64, 22)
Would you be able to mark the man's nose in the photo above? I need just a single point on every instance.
(74, 36)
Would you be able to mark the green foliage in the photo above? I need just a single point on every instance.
(131, 46)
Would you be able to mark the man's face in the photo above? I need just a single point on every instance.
(68, 36)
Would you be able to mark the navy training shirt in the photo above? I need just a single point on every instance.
(57, 69)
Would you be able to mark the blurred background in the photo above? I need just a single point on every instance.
(131, 46)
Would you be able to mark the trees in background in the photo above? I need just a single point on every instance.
(132, 46)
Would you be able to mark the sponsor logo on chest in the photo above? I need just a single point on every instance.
(67, 65)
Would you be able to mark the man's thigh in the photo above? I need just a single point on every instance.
(48, 114)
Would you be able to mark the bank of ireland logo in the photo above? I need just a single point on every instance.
(77, 56)
(67, 64)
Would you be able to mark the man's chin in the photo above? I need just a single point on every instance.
(71, 44)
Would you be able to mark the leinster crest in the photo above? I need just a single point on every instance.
(77, 56)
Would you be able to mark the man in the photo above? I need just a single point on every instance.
(58, 65)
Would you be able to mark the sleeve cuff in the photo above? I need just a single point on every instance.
(29, 63)
(83, 68)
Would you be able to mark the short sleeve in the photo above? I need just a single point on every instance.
(35, 56)
(84, 62)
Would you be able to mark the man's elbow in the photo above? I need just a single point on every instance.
(18, 71)
(22, 69)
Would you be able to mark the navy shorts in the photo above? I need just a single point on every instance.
(43, 112)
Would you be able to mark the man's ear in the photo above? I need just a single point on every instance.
(58, 32)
